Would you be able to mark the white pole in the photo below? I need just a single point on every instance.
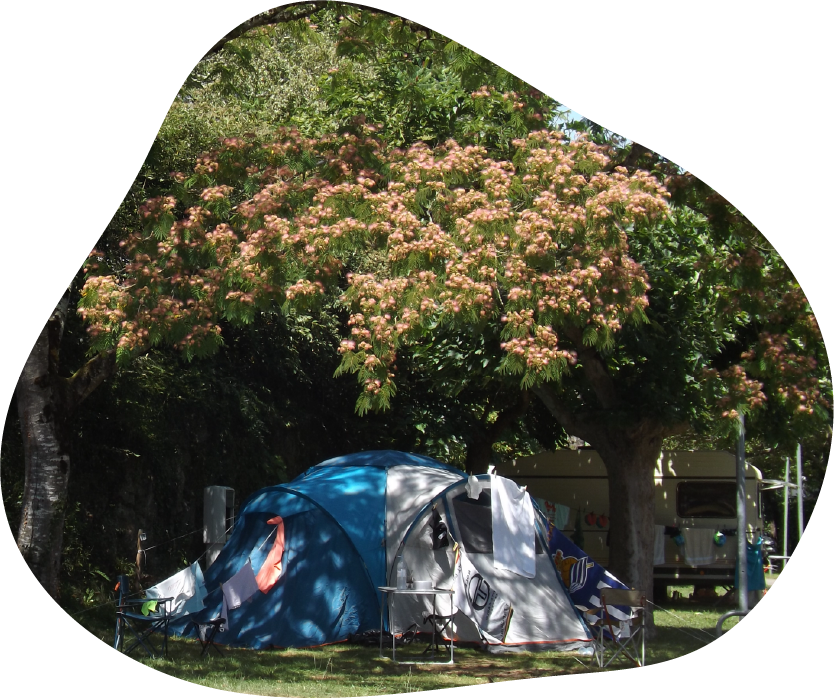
(786, 511)
(799, 492)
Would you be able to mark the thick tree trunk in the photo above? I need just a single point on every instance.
(630, 461)
(630, 453)
(46, 402)
(41, 407)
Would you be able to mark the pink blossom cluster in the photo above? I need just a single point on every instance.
(736, 389)
(482, 91)
(154, 208)
(793, 371)
(217, 193)
(560, 261)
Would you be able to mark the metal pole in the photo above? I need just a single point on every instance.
(799, 492)
(741, 513)
(786, 511)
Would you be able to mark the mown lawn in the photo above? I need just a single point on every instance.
(682, 626)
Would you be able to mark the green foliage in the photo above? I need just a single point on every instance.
(417, 85)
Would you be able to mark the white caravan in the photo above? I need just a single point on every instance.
(695, 494)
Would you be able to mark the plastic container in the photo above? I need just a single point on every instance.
(402, 573)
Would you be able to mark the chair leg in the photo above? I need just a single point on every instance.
(143, 639)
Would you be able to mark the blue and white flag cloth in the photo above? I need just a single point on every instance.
(583, 578)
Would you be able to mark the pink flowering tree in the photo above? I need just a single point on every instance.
(632, 321)
(624, 316)
(231, 240)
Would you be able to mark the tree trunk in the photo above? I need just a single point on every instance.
(46, 402)
(41, 407)
(630, 461)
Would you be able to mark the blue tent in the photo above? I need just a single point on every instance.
(345, 522)
(334, 560)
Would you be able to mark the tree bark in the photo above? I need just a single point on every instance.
(630, 459)
(46, 458)
(46, 402)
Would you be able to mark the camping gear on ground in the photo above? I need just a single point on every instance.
(206, 632)
(346, 523)
(620, 638)
(143, 618)
(437, 622)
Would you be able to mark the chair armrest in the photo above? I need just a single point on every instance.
(130, 605)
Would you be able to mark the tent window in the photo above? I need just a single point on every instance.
(707, 500)
(474, 521)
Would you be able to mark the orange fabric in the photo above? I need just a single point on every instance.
(271, 569)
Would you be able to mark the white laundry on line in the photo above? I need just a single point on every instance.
(238, 589)
(698, 546)
(659, 544)
(513, 528)
(186, 588)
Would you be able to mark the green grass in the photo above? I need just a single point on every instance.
(683, 626)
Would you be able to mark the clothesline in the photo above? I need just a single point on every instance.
(190, 533)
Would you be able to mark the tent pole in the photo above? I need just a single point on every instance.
(786, 512)
(741, 504)
(799, 493)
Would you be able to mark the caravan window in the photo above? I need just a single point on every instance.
(715, 500)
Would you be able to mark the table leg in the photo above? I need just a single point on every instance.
(383, 601)
(391, 610)
(452, 632)
(433, 624)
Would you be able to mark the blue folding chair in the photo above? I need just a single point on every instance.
(142, 618)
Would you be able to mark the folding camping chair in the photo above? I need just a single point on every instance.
(439, 625)
(206, 628)
(143, 618)
(618, 637)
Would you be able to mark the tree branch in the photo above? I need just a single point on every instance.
(595, 370)
(86, 379)
(563, 414)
